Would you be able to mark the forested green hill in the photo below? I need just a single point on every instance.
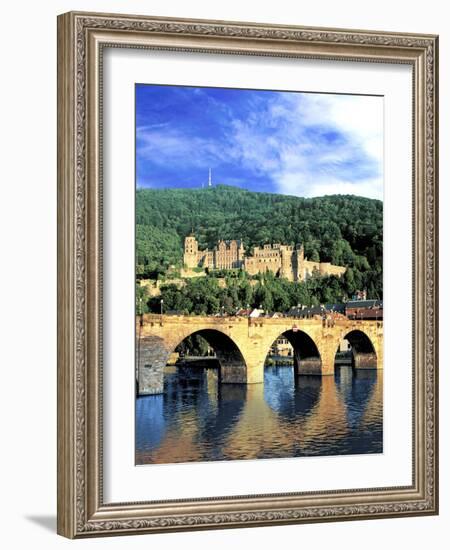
(344, 229)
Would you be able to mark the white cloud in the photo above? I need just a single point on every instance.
(305, 144)
(294, 184)
(169, 145)
(293, 150)
(359, 117)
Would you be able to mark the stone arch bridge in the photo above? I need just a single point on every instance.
(242, 344)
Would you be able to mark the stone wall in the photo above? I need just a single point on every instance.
(280, 259)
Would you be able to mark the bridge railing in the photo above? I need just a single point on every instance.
(327, 322)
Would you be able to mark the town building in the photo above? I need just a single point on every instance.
(364, 309)
(281, 347)
(282, 260)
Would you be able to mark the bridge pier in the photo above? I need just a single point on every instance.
(232, 369)
(307, 365)
(150, 380)
(317, 365)
(152, 357)
(232, 372)
(365, 361)
(255, 371)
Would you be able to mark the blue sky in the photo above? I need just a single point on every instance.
(303, 144)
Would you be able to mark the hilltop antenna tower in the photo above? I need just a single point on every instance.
(209, 179)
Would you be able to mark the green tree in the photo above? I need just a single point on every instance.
(346, 230)
(142, 297)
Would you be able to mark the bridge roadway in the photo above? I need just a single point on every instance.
(242, 344)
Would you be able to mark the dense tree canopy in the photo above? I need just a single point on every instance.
(204, 296)
(343, 229)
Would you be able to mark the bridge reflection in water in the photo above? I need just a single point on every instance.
(198, 419)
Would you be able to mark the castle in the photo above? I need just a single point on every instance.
(283, 260)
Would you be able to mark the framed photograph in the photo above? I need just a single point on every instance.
(247, 282)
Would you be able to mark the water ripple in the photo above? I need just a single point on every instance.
(196, 419)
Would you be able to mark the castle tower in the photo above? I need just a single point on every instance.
(190, 257)
(287, 255)
(298, 264)
(240, 254)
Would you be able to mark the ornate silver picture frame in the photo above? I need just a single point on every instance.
(82, 508)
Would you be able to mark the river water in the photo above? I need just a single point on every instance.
(197, 419)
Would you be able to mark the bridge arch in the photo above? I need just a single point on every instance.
(232, 365)
(307, 357)
(153, 350)
(363, 349)
(248, 344)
